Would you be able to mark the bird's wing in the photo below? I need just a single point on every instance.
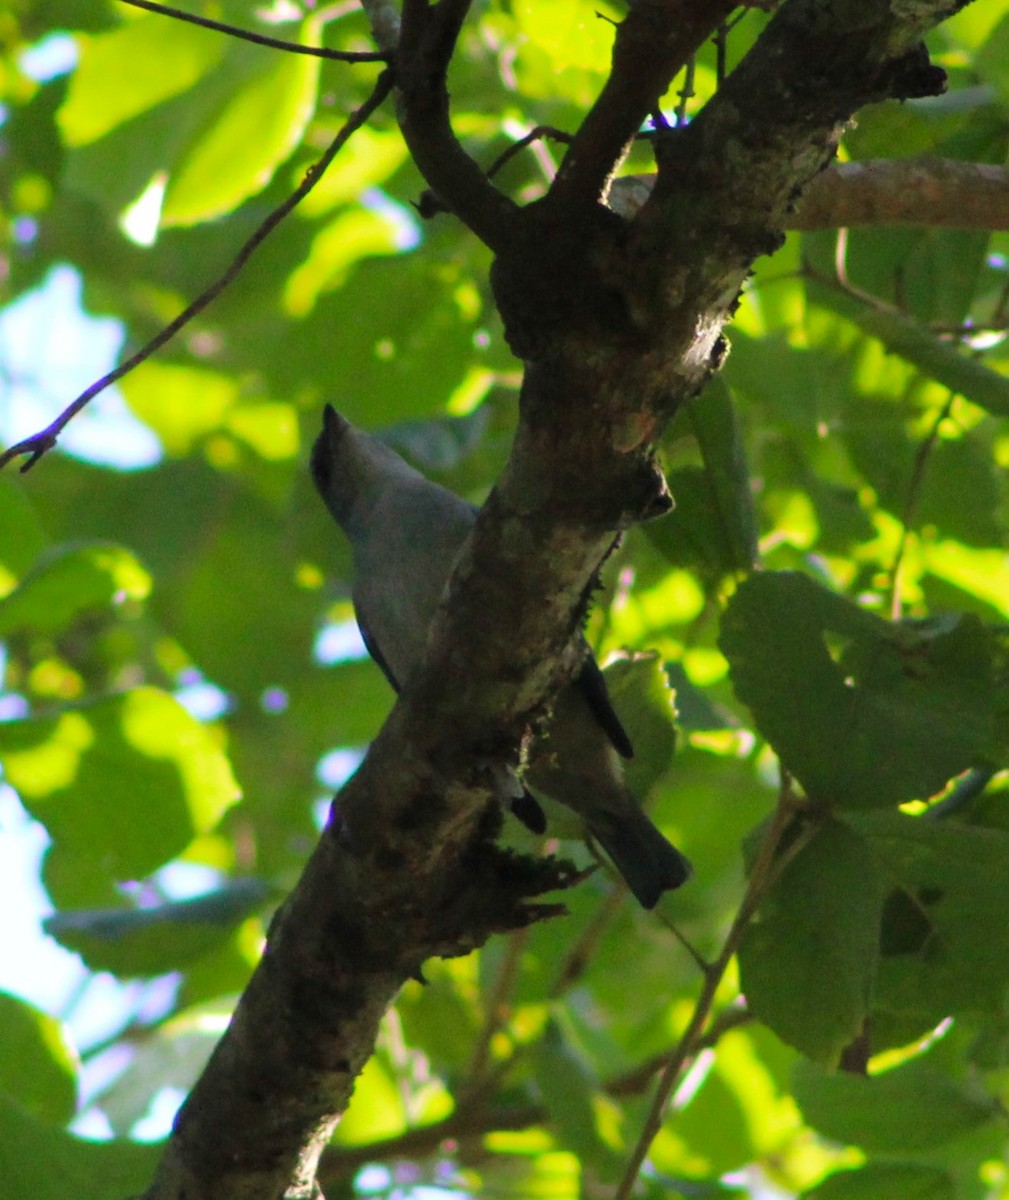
(372, 647)
(592, 684)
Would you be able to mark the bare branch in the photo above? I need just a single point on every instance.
(936, 193)
(427, 41)
(931, 192)
(39, 443)
(534, 135)
(383, 17)
(260, 39)
(766, 869)
(653, 42)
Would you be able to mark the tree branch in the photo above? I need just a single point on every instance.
(43, 441)
(619, 325)
(934, 193)
(427, 40)
(655, 39)
(258, 39)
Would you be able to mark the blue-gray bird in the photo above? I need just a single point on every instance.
(406, 533)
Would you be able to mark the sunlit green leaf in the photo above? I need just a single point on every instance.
(808, 961)
(865, 713)
(913, 1107)
(38, 1066)
(181, 404)
(150, 58)
(269, 102)
(69, 582)
(45, 1162)
(127, 780)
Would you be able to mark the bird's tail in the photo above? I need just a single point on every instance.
(649, 863)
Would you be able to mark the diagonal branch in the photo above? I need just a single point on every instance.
(43, 441)
(427, 41)
(407, 866)
(653, 42)
(934, 193)
(259, 39)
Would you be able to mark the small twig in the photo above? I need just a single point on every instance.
(259, 39)
(687, 90)
(721, 40)
(634, 1081)
(763, 874)
(496, 1009)
(922, 455)
(534, 135)
(37, 445)
(580, 954)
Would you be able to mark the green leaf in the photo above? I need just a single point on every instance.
(164, 937)
(713, 525)
(938, 956)
(645, 704)
(182, 404)
(715, 424)
(913, 1107)
(711, 1128)
(571, 34)
(808, 961)
(38, 1066)
(865, 713)
(936, 359)
(47, 1163)
(694, 707)
(348, 238)
(885, 1181)
(566, 1082)
(22, 539)
(150, 59)
(69, 582)
(538, 1175)
(270, 99)
(126, 781)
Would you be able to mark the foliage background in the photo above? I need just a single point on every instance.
(858, 450)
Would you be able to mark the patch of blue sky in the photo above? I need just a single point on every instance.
(50, 351)
(339, 642)
(32, 966)
(336, 767)
(203, 700)
(53, 56)
(406, 228)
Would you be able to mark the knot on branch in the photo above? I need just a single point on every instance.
(497, 893)
(563, 274)
(914, 76)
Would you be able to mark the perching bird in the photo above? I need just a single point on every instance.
(406, 533)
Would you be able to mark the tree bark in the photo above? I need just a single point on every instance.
(618, 323)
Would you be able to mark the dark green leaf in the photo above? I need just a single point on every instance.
(127, 781)
(70, 581)
(885, 1181)
(164, 937)
(910, 1108)
(938, 956)
(808, 961)
(47, 1163)
(38, 1067)
(865, 713)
